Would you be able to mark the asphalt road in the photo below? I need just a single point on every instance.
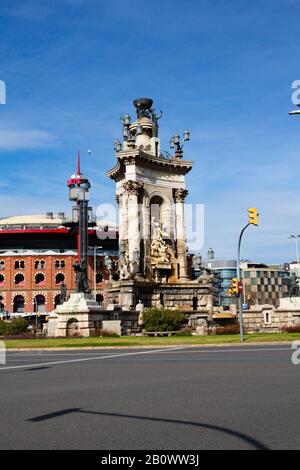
(189, 398)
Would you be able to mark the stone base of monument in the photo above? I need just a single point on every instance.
(289, 303)
(185, 296)
(80, 315)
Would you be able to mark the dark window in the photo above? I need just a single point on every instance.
(39, 303)
(99, 299)
(19, 304)
(19, 279)
(40, 279)
(59, 278)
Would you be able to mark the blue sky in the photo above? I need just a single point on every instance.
(221, 68)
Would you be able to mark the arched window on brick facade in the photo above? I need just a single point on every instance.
(60, 263)
(59, 278)
(19, 279)
(19, 304)
(39, 303)
(57, 300)
(20, 264)
(40, 279)
(39, 264)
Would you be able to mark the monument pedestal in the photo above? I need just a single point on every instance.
(184, 296)
(80, 315)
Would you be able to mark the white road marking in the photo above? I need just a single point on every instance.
(183, 350)
(87, 359)
(232, 350)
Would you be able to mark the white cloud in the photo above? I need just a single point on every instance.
(21, 139)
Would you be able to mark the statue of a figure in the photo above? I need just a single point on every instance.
(155, 119)
(205, 277)
(63, 293)
(159, 248)
(110, 266)
(294, 288)
(124, 264)
(82, 282)
(197, 262)
(109, 263)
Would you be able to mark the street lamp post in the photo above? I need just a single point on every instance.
(36, 312)
(297, 251)
(95, 248)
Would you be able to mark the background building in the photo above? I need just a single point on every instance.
(264, 284)
(36, 256)
(225, 271)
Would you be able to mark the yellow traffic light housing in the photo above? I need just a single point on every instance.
(234, 287)
(253, 216)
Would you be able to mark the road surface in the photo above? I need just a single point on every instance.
(179, 398)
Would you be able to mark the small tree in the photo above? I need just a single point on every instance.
(161, 319)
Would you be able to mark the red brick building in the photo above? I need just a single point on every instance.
(36, 256)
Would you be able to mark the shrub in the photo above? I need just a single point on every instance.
(160, 319)
(98, 332)
(3, 328)
(16, 326)
(184, 333)
(228, 330)
(291, 329)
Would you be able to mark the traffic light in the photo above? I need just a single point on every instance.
(253, 216)
(234, 287)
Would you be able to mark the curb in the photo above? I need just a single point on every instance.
(209, 345)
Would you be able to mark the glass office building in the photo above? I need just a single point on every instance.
(225, 270)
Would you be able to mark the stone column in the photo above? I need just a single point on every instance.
(179, 197)
(123, 223)
(133, 189)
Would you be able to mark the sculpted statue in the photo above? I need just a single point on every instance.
(197, 262)
(110, 266)
(159, 248)
(63, 293)
(205, 277)
(124, 264)
(82, 282)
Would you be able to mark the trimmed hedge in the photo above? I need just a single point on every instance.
(291, 329)
(161, 319)
(228, 330)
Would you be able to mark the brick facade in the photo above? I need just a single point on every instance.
(42, 276)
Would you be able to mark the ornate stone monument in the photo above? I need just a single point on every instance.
(150, 191)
